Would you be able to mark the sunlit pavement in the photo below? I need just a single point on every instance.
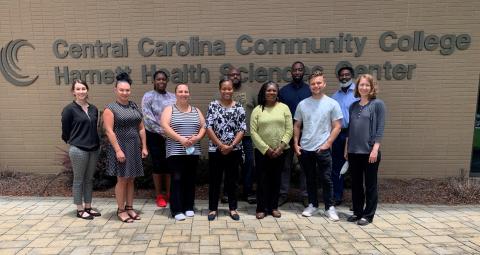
(46, 225)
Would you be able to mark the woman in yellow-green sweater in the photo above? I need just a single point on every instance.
(271, 130)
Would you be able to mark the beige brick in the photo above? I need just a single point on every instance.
(280, 246)
(188, 248)
(257, 251)
(156, 250)
(234, 244)
(260, 244)
(131, 248)
(209, 240)
(209, 249)
(105, 241)
(53, 250)
(440, 239)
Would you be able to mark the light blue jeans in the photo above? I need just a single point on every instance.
(83, 165)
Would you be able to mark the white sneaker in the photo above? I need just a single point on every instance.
(190, 213)
(331, 213)
(309, 211)
(180, 217)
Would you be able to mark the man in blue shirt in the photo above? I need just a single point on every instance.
(345, 96)
(291, 94)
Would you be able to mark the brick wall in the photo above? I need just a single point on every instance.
(430, 117)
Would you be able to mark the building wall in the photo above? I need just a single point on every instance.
(430, 116)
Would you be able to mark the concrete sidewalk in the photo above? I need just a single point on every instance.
(39, 225)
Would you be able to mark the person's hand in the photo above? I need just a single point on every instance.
(269, 153)
(144, 153)
(120, 156)
(185, 141)
(193, 140)
(345, 155)
(297, 149)
(324, 147)
(373, 156)
(226, 149)
(278, 151)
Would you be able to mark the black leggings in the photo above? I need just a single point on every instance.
(182, 188)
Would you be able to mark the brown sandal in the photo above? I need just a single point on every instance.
(126, 220)
(260, 215)
(135, 215)
(276, 213)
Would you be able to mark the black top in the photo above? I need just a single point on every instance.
(80, 129)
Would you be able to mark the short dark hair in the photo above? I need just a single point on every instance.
(123, 77)
(159, 72)
(224, 79)
(262, 92)
(298, 62)
(349, 68)
(78, 81)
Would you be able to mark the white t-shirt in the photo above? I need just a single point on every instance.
(316, 116)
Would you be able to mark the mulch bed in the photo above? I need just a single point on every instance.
(452, 191)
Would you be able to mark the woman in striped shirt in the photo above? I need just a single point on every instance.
(184, 126)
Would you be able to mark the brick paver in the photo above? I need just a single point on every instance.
(33, 225)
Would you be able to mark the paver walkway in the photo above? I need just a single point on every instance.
(34, 225)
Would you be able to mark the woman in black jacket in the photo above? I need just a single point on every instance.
(79, 130)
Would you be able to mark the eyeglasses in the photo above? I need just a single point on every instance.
(234, 74)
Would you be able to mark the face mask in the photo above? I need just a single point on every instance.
(346, 84)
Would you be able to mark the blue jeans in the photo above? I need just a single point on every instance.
(313, 162)
(338, 159)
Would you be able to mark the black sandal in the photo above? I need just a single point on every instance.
(81, 216)
(212, 215)
(234, 215)
(126, 220)
(135, 216)
(94, 214)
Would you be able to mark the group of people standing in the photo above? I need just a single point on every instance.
(259, 132)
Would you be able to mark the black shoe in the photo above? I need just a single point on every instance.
(252, 199)
(212, 215)
(282, 199)
(363, 222)
(234, 215)
(353, 218)
(338, 202)
(224, 199)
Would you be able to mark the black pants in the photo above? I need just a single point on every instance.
(364, 200)
(313, 162)
(219, 164)
(269, 173)
(182, 188)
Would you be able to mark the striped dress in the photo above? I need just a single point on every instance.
(185, 124)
